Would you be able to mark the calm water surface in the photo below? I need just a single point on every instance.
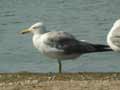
(89, 20)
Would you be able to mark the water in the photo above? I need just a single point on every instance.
(86, 19)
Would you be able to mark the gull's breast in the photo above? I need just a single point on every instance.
(114, 42)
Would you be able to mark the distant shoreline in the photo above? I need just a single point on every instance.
(55, 81)
(64, 76)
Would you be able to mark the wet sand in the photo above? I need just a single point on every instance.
(54, 81)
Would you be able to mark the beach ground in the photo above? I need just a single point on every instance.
(54, 81)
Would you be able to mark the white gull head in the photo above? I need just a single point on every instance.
(113, 37)
(37, 28)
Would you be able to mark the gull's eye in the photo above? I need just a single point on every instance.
(35, 27)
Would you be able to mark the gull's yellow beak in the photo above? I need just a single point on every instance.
(25, 31)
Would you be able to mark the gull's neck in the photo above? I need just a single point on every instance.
(40, 32)
(37, 37)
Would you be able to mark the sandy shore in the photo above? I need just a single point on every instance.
(65, 81)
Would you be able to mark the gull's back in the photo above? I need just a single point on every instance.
(63, 45)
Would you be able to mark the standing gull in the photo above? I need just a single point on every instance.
(60, 45)
(113, 38)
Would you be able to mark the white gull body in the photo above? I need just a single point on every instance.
(60, 45)
(49, 44)
(113, 37)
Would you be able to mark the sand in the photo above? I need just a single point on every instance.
(54, 81)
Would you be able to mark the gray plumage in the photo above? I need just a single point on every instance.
(66, 42)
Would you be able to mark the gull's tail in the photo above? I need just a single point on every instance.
(101, 48)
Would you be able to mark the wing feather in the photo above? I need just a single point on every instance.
(65, 41)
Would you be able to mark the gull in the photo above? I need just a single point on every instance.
(113, 37)
(60, 45)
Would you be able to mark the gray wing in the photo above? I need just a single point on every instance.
(65, 41)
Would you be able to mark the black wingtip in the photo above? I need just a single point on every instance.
(102, 48)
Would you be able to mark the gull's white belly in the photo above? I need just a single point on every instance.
(112, 45)
(55, 53)
(49, 51)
